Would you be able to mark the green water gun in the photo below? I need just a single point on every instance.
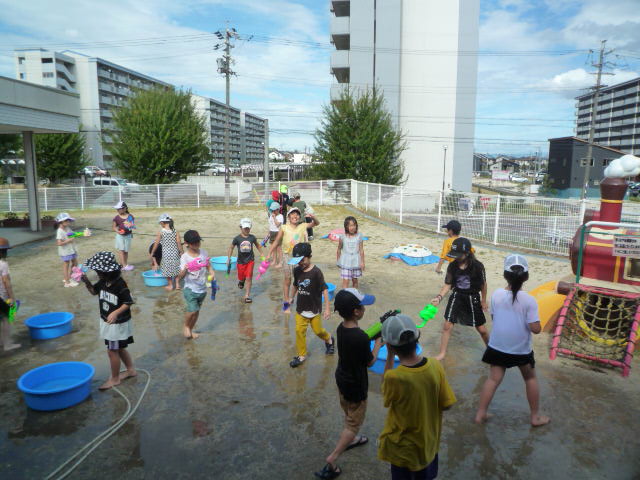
(427, 313)
(375, 330)
(13, 309)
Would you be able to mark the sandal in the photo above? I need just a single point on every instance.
(362, 440)
(296, 362)
(285, 306)
(330, 348)
(328, 472)
(248, 300)
(241, 284)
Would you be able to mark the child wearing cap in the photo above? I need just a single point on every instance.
(244, 242)
(467, 282)
(289, 235)
(123, 224)
(195, 282)
(303, 207)
(354, 356)
(114, 300)
(168, 242)
(453, 228)
(66, 247)
(6, 296)
(275, 222)
(515, 318)
(309, 285)
(416, 393)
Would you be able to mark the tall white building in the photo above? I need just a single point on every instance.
(422, 55)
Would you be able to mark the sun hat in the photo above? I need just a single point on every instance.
(294, 210)
(350, 298)
(4, 243)
(515, 260)
(245, 223)
(103, 262)
(61, 217)
(164, 218)
(192, 236)
(274, 206)
(393, 328)
(120, 205)
(300, 250)
(459, 247)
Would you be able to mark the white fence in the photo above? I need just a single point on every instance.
(543, 224)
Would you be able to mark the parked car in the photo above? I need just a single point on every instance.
(111, 182)
(540, 176)
(93, 171)
(517, 178)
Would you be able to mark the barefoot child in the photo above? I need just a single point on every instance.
(350, 253)
(114, 300)
(6, 295)
(245, 242)
(123, 224)
(66, 248)
(515, 318)
(195, 282)
(275, 222)
(416, 393)
(354, 356)
(467, 281)
(309, 285)
(453, 229)
(171, 246)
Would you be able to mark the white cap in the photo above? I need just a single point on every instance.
(245, 223)
(120, 205)
(513, 260)
(274, 206)
(165, 217)
(61, 217)
(393, 328)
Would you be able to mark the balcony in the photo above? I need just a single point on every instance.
(340, 32)
(340, 65)
(341, 8)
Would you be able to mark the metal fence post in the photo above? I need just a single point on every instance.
(82, 198)
(158, 193)
(198, 195)
(354, 198)
(401, 195)
(379, 199)
(583, 209)
(119, 193)
(440, 200)
(321, 194)
(495, 227)
(10, 206)
(238, 190)
(46, 203)
(366, 197)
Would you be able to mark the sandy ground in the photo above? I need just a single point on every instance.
(227, 405)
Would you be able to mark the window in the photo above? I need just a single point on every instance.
(22, 76)
(564, 162)
(47, 60)
(47, 74)
(583, 162)
(20, 60)
(606, 162)
(564, 181)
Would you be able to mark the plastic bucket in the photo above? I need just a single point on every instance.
(378, 367)
(331, 290)
(49, 325)
(57, 385)
(153, 278)
(220, 263)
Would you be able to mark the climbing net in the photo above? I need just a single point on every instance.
(598, 324)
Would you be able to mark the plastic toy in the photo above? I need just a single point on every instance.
(76, 274)
(264, 266)
(264, 240)
(13, 309)
(197, 263)
(427, 313)
(214, 288)
(375, 330)
(85, 233)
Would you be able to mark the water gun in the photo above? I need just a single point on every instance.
(85, 233)
(13, 309)
(375, 330)
(196, 264)
(214, 287)
(265, 240)
(131, 225)
(427, 313)
(77, 272)
(264, 266)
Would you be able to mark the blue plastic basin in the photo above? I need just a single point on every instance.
(220, 263)
(153, 278)
(49, 325)
(378, 367)
(331, 290)
(56, 385)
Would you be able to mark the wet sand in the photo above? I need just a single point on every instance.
(227, 405)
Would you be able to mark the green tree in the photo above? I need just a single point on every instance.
(547, 187)
(10, 144)
(59, 155)
(357, 140)
(159, 137)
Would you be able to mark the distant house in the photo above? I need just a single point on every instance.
(481, 162)
(567, 163)
(504, 164)
(301, 158)
(276, 156)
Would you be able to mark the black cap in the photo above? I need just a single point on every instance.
(453, 225)
(349, 299)
(301, 250)
(459, 247)
(191, 236)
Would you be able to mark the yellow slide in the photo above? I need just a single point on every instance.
(549, 303)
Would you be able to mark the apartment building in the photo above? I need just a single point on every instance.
(51, 69)
(421, 54)
(254, 139)
(617, 117)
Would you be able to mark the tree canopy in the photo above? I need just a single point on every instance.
(159, 137)
(357, 139)
(59, 155)
(10, 143)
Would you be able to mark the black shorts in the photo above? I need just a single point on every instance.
(118, 344)
(465, 308)
(507, 360)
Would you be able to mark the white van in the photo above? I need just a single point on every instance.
(108, 182)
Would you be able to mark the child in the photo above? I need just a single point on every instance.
(467, 281)
(169, 240)
(308, 283)
(114, 300)
(453, 229)
(515, 318)
(354, 356)
(416, 393)
(195, 283)
(289, 235)
(350, 253)
(122, 224)
(6, 295)
(66, 248)
(275, 222)
(245, 242)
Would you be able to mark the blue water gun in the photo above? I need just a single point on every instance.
(214, 287)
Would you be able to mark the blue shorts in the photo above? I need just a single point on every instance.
(428, 473)
(193, 300)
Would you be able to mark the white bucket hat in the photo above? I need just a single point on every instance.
(61, 217)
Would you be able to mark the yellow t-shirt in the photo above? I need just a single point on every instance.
(446, 248)
(293, 235)
(415, 398)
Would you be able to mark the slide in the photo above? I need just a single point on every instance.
(549, 304)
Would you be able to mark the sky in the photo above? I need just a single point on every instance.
(535, 56)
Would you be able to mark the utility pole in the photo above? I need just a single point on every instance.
(594, 110)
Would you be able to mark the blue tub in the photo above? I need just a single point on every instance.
(220, 263)
(331, 290)
(49, 325)
(153, 278)
(57, 385)
(378, 367)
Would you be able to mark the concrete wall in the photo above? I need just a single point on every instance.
(87, 85)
